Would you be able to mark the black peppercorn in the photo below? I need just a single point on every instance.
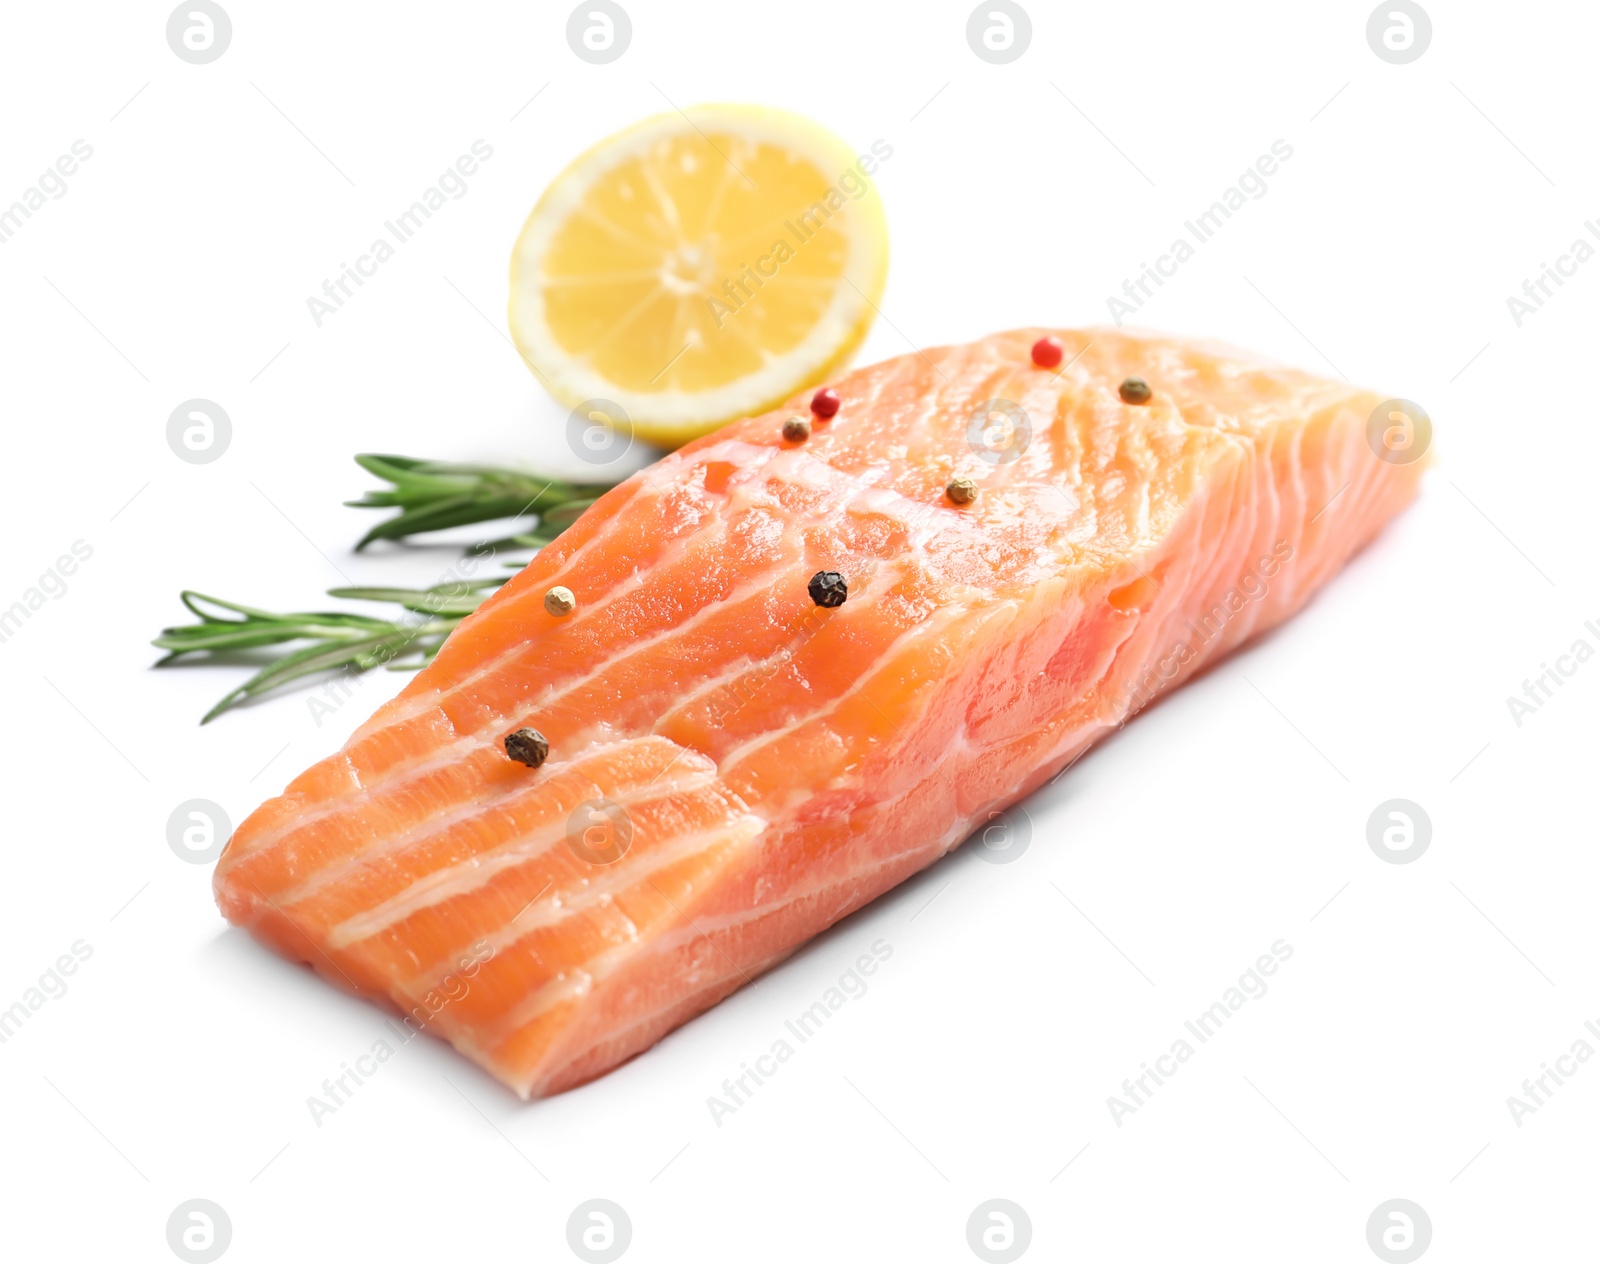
(527, 746)
(828, 589)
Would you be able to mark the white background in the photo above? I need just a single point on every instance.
(979, 1063)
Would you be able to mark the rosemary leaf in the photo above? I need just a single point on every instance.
(338, 641)
(436, 495)
(429, 496)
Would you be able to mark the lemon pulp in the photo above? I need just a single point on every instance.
(700, 267)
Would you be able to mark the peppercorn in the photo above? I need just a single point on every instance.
(825, 403)
(797, 430)
(527, 746)
(828, 589)
(962, 490)
(1047, 352)
(1134, 390)
(559, 601)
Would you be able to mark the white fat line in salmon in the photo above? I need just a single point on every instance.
(806, 626)
(1137, 1090)
(1202, 228)
(738, 1089)
(1203, 628)
(505, 603)
(799, 469)
(449, 753)
(598, 970)
(547, 910)
(472, 873)
(693, 774)
(1539, 690)
(585, 748)
(667, 475)
(714, 986)
(579, 982)
(337, 1090)
(733, 679)
(51, 985)
(930, 626)
(1538, 1090)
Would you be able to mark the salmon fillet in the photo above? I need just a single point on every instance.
(732, 767)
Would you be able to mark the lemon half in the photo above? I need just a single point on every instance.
(700, 266)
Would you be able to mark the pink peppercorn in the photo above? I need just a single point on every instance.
(825, 403)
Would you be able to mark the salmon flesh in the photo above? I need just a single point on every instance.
(733, 766)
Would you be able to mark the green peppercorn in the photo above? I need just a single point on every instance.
(1135, 390)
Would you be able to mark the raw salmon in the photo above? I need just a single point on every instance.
(734, 767)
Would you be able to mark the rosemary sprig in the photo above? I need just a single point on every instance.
(338, 640)
(434, 495)
(431, 496)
